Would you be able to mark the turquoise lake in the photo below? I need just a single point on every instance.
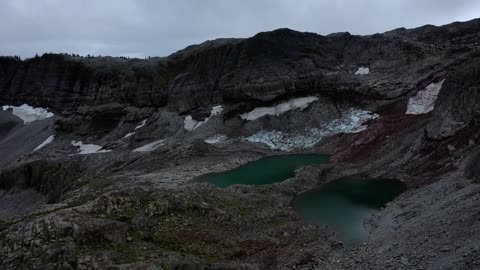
(345, 203)
(264, 171)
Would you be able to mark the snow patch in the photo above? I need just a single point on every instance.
(297, 103)
(424, 100)
(216, 110)
(142, 124)
(28, 113)
(44, 143)
(85, 149)
(350, 122)
(191, 124)
(218, 138)
(150, 147)
(128, 135)
(362, 71)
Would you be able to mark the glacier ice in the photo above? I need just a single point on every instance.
(350, 122)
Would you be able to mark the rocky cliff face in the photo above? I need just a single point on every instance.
(458, 105)
(266, 67)
(62, 82)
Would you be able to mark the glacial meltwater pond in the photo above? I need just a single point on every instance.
(342, 204)
(264, 171)
(345, 203)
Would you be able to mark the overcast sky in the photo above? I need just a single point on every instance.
(160, 27)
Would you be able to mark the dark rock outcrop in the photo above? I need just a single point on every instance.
(62, 82)
(473, 169)
(87, 120)
(458, 104)
(97, 230)
(47, 177)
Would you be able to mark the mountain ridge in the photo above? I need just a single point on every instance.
(230, 70)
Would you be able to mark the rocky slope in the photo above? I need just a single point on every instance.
(113, 189)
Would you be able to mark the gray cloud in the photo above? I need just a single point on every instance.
(160, 27)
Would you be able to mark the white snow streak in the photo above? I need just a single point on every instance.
(150, 147)
(190, 124)
(29, 114)
(362, 71)
(44, 143)
(128, 135)
(296, 103)
(142, 124)
(85, 149)
(424, 101)
(351, 122)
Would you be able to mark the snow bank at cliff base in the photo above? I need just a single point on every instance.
(28, 113)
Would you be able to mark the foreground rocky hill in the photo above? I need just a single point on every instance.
(101, 174)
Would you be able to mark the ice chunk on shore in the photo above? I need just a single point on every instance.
(44, 143)
(297, 103)
(191, 124)
(362, 71)
(150, 147)
(28, 113)
(424, 100)
(85, 149)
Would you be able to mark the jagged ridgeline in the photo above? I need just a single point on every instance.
(285, 150)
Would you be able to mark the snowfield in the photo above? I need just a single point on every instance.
(85, 149)
(424, 100)
(28, 113)
(191, 124)
(297, 103)
(150, 147)
(44, 143)
(362, 71)
(351, 122)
